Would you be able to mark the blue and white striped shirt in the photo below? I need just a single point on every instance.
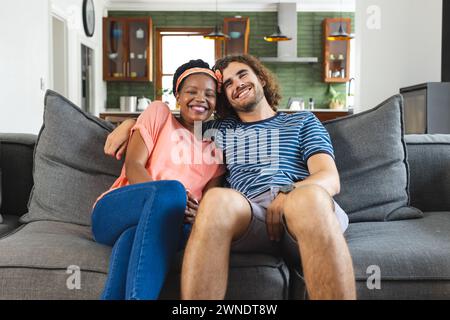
(271, 152)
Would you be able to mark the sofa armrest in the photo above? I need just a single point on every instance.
(17, 167)
(429, 166)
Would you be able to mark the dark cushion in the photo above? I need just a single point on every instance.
(70, 168)
(371, 159)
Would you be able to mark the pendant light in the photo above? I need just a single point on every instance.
(277, 36)
(341, 34)
(216, 34)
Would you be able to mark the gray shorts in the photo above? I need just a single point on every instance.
(256, 238)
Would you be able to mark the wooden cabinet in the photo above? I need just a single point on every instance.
(127, 49)
(238, 29)
(336, 60)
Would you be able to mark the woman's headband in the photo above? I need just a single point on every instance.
(207, 71)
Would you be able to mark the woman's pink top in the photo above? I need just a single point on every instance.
(173, 152)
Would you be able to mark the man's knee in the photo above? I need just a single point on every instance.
(308, 207)
(223, 208)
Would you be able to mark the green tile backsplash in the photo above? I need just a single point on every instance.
(296, 80)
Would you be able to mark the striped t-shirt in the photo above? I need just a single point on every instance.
(271, 152)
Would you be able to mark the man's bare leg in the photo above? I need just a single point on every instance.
(223, 215)
(326, 260)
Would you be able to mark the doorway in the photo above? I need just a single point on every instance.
(59, 56)
(87, 79)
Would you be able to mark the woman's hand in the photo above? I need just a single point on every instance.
(117, 141)
(191, 208)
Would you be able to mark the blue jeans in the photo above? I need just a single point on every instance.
(144, 224)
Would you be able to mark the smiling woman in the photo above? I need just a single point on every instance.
(174, 46)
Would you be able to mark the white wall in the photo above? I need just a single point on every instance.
(404, 51)
(25, 59)
(24, 33)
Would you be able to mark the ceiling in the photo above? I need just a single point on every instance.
(228, 5)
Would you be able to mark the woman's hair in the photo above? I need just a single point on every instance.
(199, 63)
(271, 89)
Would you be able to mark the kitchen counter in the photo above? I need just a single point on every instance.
(117, 116)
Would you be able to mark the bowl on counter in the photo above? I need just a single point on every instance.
(235, 34)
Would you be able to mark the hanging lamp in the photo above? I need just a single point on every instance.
(277, 36)
(341, 34)
(216, 34)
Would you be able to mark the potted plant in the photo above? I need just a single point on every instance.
(337, 99)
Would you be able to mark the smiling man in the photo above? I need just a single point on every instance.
(282, 178)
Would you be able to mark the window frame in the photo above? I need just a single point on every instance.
(180, 31)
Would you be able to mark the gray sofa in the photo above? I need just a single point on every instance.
(37, 258)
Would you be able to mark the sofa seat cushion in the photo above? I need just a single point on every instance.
(252, 276)
(409, 251)
(35, 260)
(9, 223)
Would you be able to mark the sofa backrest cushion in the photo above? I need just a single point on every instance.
(70, 169)
(429, 163)
(372, 162)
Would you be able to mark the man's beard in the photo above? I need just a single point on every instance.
(251, 105)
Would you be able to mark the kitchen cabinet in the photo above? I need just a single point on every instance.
(238, 29)
(336, 59)
(127, 49)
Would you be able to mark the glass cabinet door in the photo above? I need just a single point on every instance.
(337, 52)
(138, 44)
(238, 31)
(115, 53)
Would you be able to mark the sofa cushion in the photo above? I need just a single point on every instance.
(429, 162)
(371, 159)
(35, 258)
(8, 224)
(70, 168)
(34, 262)
(414, 251)
(251, 276)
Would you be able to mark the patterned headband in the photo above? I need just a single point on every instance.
(209, 72)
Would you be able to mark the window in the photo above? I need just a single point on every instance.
(176, 47)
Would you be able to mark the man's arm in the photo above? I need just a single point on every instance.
(323, 172)
(116, 142)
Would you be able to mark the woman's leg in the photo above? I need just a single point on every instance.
(157, 239)
(121, 210)
(118, 266)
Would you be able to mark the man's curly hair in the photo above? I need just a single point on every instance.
(271, 89)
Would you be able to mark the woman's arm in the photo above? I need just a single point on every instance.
(136, 159)
(117, 141)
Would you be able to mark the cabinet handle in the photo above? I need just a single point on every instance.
(124, 68)
(128, 68)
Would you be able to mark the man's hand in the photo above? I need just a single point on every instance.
(274, 217)
(117, 141)
(191, 209)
